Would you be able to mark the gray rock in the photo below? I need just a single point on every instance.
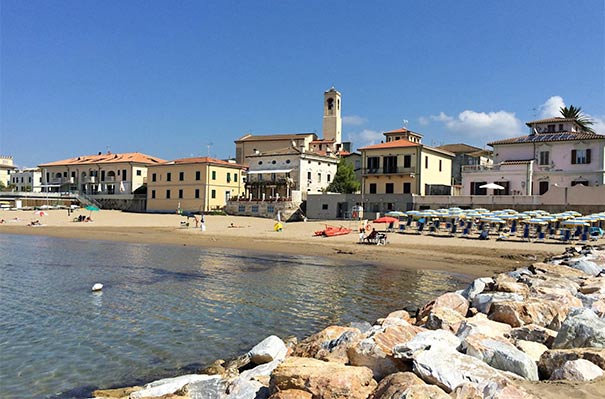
(577, 370)
(476, 287)
(480, 324)
(171, 385)
(432, 339)
(483, 302)
(581, 329)
(502, 356)
(246, 389)
(554, 358)
(532, 349)
(587, 266)
(534, 333)
(208, 389)
(269, 349)
(448, 368)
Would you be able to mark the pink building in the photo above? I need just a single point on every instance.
(556, 152)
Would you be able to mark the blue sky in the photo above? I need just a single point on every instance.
(176, 79)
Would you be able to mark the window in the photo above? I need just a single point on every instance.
(167, 194)
(407, 161)
(228, 177)
(476, 190)
(389, 188)
(372, 188)
(329, 178)
(577, 182)
(319, 177)
(309, 176)
(389, 164)
(123, 174)
(139, 173)
(254, 208)
(154, 177)
(213, 194)
(324, 207)
(235, 177)
(241, 208)
(426, 162)
(373, 164)
(197, 193)
(440, 168)
(198, 175)
(270, 209)
(180, 194)
(560, 127)
(580, 156)
(168, 176)
(214, 175)
(407, 188)
(544, 157)
(181, 176)
(551, 128)
(152, 194)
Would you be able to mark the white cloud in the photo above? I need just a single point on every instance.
(365, 137)
(424, 121)
(551, 107)
(599, 123)
(353, 120)
(473, 124)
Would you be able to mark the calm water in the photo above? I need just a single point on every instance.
(166, 310)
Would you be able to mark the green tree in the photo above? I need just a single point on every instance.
(344, 181)
(576, 113)
(2, 186)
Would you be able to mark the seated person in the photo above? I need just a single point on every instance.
(35, 223)
(372, 235)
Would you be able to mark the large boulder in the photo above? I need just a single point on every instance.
(480, 324)
(582, 329)
(450, 300)
(171, 385)
(506, 283)
(553, 270)
(292, 394)
(532, 349)
(431, 339)
(394, 385)
(441, 318)
(449, 368)
(376, 351)
(542, 312)
(587, 266)
(477, 287)
(323, 380)
(396, 317)
(424, 392)
(534, 333)
(501, 355)
(329, 344)
(552, 359)
(595, 285)
(269, 349)
(577, 370)
(483, 302)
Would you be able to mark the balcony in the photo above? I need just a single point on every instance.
(388, 171)
(480, 168)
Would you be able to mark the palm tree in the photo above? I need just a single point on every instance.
(576, 113)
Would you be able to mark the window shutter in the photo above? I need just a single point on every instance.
(588, 155)
(573, 157)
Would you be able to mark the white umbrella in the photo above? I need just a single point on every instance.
(492, 186)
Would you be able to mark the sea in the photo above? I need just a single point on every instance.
(170, 310)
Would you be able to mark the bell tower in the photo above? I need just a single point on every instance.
(332, 121)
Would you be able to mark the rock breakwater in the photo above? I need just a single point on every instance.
(542, 322)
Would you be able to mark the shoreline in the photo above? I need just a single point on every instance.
(406, 251)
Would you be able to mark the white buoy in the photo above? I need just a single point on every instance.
(97, 287)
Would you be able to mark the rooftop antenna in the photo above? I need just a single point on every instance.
(405, 123)
(209, 145)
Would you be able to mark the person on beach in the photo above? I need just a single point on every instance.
(203, 220)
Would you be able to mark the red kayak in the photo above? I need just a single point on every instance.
(331, 231)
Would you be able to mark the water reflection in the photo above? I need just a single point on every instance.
(165, 308)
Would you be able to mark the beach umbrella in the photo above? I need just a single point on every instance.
(41, 213)
(92, 209)
(395, 213)
(492, 186)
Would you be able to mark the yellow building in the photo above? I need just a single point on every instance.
(100, 175)
(6, 168)
(403, 165)
(193, 184)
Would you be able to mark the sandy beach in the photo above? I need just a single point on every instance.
(457, 255)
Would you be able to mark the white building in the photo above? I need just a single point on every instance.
(556, 152)
(27, 180)
(6, 169)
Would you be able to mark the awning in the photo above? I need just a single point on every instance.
(259, 172)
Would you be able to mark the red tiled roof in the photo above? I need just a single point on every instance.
(556, 119)
(135, 157)
(520, 162)
(401, 131)
(391, 144)
(459, 148)
(549, 137)
(193, 160)
(267, 137)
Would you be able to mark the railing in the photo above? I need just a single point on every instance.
(388, 171)
(480, 168)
